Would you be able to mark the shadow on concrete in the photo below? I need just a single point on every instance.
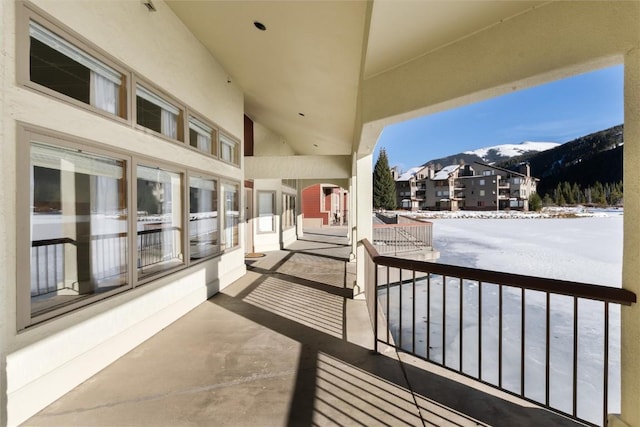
(348, 384)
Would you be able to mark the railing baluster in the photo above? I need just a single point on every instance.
(413, 312)
(500, 336)
(444, 319)
(460, 326)
(605, 384)
(480, 331)
(547, 349)
(523, 318)
(575, 357)
(428, 315)
(388, 315)
(375, 307)
(400, 286)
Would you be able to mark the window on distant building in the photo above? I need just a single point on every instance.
(203, 217)
(481, 182)
(156, 113)
(59, 65)
(481, 193)
(517, 180)
(487, 173)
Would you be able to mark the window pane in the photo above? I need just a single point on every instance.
(231, 215)
(78, 226)
(159, 225)
(266, 211)
(203, 217)
(62, 67)
(228, 150)
(154, 113)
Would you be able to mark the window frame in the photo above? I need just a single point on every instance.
(25, 135)
(196, 174)
(223, 217)
(288, 210)
(215, 134)
(222, 136)
(27, 13)
(168, 167)
(273, 213)
(163, 96)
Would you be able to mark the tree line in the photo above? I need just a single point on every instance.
(598, 194)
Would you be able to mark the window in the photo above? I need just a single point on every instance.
(266, 211)
(231, 215)
(62, 67)
(481, 182)
(481, 193)
(203, 218)
(159, 220)
(487, 173)
(202, 136)
(517, 180)
(229, 149)
(155, 113)
(78, 227)
(288, 211)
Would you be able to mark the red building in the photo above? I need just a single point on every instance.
(324, 204)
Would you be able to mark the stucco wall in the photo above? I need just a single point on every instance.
(45, 361)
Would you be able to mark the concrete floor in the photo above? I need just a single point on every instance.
(283, 346)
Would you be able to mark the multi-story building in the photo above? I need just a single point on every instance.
(478, 187)
(410, 187)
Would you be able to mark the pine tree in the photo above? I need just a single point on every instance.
(384, 188)
(535, 202)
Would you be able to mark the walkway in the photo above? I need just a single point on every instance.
(283, 346)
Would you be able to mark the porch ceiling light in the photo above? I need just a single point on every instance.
(259, 25)
(301, 114)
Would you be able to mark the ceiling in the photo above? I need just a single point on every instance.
(300, 76)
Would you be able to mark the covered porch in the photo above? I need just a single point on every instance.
(284, 345)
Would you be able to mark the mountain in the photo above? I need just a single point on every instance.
(585, 160)
(495, 153)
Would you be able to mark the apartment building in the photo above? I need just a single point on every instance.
(473, 187)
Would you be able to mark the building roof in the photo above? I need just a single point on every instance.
(406, 176)
(445, 172)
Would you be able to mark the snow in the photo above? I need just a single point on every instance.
(512, 150)
(586, 248)
(445, 172)
(406, 176)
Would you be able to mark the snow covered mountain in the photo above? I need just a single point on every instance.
(495, 153)
(498, 153)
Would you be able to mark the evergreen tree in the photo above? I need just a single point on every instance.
(384, 187)
(547, 201)
(535, 202)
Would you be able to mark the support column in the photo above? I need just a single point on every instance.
(363, 205)
(630, 342)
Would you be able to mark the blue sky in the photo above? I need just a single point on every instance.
(555, 112)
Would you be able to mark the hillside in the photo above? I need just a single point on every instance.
(585, 160)
(495, 154)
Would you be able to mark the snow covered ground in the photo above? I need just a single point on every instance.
(586, 248)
